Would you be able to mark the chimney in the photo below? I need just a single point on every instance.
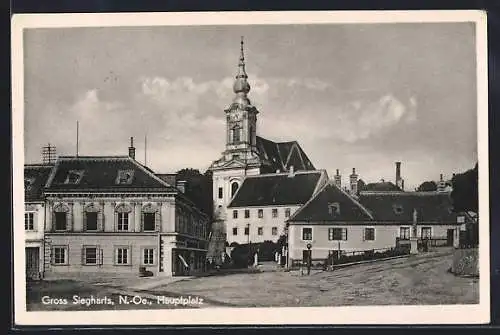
(338, 179)
(131, 149)
(441, 186)
(181, 185)
(354, 182)
(291, 172)
(399, 180)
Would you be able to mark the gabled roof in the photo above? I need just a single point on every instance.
(277, 189)
(35, 177)
(282, 155)
(399, 206)
(318, 208)
(101, 174)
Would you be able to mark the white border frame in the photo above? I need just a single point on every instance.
(446, 314)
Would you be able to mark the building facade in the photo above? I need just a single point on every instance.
(246, 155)
(35, 177)
(111, 214)
(334, 221)
(263, 203)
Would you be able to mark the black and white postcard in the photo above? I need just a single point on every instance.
(251, 168)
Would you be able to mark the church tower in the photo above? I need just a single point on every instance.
(241, 157)
(241, 117)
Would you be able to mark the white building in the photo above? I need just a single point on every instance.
(35, 177)
(263, 203)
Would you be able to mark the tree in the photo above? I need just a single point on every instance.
(427, 186)
(465, 191)
(198, 189)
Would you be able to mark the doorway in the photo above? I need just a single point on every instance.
(32, 263)
(450, 233)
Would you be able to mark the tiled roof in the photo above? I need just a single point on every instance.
(399, 206)
(321, 207)
(101, 174)
(277, 189)
(35, 177)
(282, 155)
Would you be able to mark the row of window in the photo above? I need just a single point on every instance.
(340, 234)
(260, 231)
(260, 213)
(123, 177)
(91, 221)
(93, 255)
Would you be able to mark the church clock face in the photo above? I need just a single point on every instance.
(236, 116)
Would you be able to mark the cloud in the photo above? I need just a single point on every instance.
(348, 122)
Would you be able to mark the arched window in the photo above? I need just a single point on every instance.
(92, 217)
(236, 134)
(234, 188)
(122, 217)
(61, 217)
(150, 218)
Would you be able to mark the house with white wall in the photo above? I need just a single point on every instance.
(263, 203)
(334, 221)
(112, 214)
(35, 177)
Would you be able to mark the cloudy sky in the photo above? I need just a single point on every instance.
(352, 95)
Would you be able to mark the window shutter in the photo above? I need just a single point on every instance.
(69, 220)
(99, 255)
(129, 255)
(100, 218)
(115, 221)
(157, 220)
(83, 255)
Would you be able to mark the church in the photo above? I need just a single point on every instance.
(252, 161)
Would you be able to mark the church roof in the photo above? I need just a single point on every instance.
(35, 177)
(277, 189)
(319, 208)
(103, 174)
(431, 207)
(282, 155)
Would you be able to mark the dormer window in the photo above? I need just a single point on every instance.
(334, 209)
(74, 177)
(124, 177)
(28, 182)
(398, 209)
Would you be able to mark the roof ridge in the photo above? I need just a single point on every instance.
(307, 202)
(283, 173)
(332, 182)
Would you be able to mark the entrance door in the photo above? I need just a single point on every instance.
(32, 263)
(450, 233)
(306, 257)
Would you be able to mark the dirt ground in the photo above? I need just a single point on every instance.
(418, 280)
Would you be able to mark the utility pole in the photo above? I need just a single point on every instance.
(48, 154)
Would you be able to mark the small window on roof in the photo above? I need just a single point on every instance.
(74, 177)
(124, 177)
(398, 209)
(334, 208)
(28, 182)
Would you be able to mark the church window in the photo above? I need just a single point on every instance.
(236, 133)
(234, 188)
